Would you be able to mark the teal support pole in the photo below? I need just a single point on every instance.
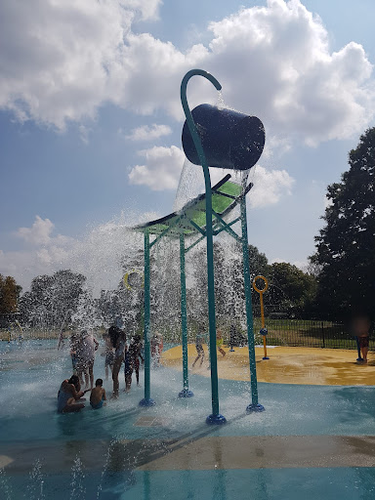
(185, 393)
(215, 417)
(147, 401)
(254, 406)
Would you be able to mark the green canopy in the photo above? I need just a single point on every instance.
(191, 219)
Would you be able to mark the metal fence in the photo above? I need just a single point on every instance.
(308, 333)
(281, 332)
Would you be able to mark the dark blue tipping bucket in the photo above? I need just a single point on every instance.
(229, 139)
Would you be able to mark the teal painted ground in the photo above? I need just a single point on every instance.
(29, 383)
(261, 484)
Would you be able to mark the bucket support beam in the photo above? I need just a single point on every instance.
(215, 417)
(147, 401)
(254, 406)
(185, 393)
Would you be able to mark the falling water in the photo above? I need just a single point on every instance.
(5, 488)
(77, 489)
(36, 483)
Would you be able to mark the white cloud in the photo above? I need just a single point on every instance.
(162, 169)
(148, 132)
(39, 233)
(62, 59)
(269, 186)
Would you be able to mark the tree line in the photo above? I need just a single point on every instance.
(340, 277)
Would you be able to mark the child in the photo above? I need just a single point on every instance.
(135, 349)
(220, 342)
(109, 357)
(199, 347)
(73, 353)
(128, 370)
(98, 396)
(69, 396)
(361, 326)
(156, 348)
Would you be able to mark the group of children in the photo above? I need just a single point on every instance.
(117, 352)
(70, 396)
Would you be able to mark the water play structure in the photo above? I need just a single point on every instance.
(211, 137)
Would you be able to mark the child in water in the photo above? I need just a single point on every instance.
(69, 396)
(98, 395)
(135, 349)
(128, 370)
(220, 342)
(200, 339)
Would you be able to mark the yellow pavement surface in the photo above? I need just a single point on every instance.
(287, 365)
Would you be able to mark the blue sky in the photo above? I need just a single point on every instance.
(90, 117)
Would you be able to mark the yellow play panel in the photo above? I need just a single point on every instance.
(287, 365)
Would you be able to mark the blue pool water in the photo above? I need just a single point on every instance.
(100, 442)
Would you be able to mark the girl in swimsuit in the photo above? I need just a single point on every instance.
(68, 396)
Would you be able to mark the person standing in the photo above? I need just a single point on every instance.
(108, 353)
(128, 369)
(135, 350)
(220, 342)
(361, 327)
(199, 340)
(118, 340)
(156, 348)
(85, 352)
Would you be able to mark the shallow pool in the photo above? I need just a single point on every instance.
(311, 442)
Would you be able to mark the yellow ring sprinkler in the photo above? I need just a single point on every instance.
(263, 330)
(128, 275)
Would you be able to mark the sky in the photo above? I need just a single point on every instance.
(90, 117)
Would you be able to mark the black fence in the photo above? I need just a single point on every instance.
(308, 333)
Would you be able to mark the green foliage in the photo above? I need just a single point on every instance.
(291, 288)
(258, 262)
(345, 246)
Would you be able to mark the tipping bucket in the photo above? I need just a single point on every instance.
(229, 139)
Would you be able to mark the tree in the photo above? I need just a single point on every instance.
(52, 300)
(290, 288)
(9, 295)
(345, 246)
(258, 262)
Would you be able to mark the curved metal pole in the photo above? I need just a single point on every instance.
(215, 417)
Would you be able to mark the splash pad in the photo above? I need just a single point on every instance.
(314, 442)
